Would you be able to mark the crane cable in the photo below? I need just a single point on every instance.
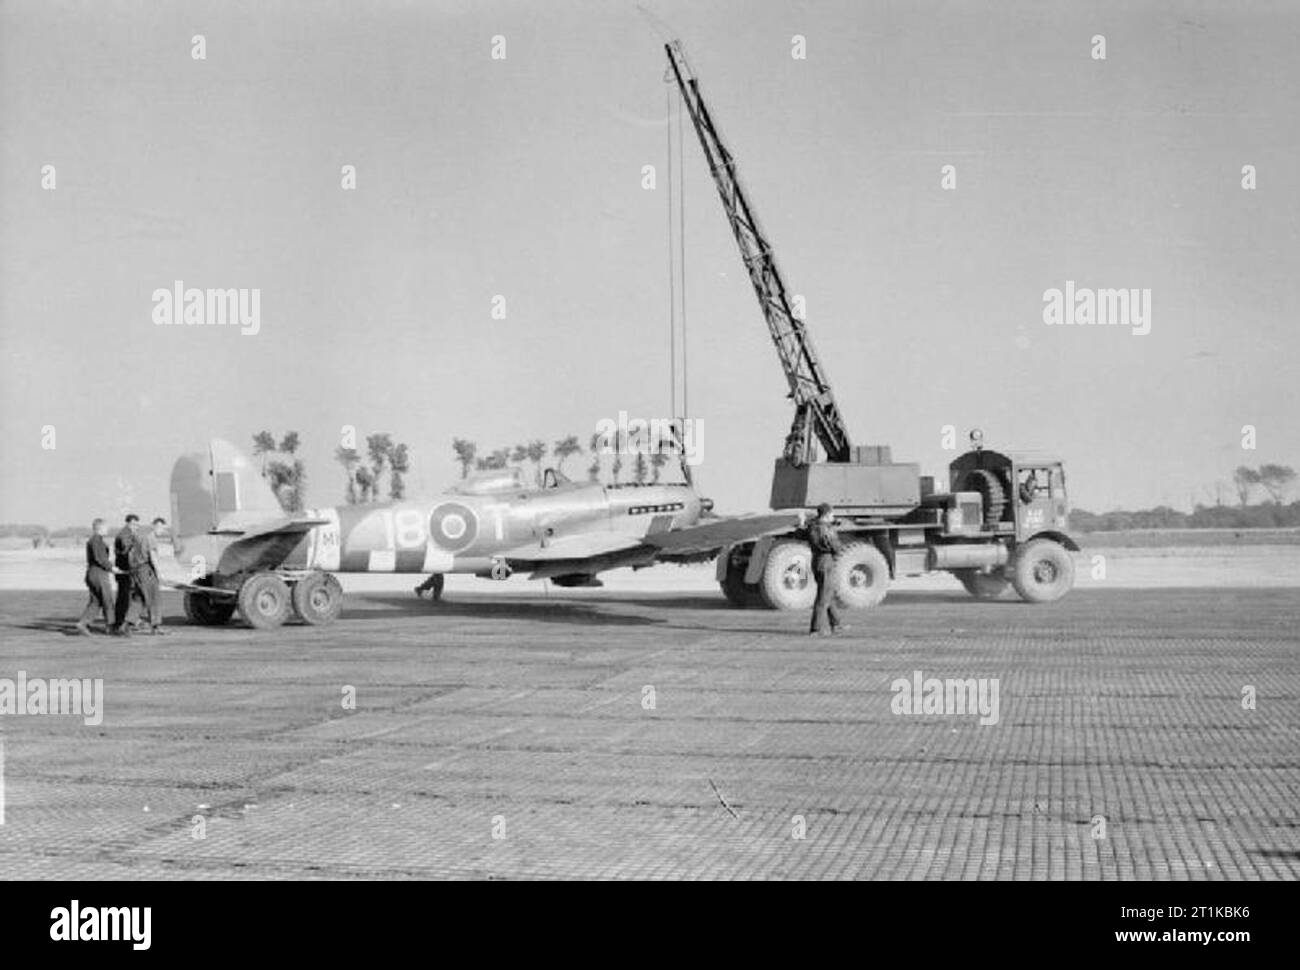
(676, 257)
(672, 274)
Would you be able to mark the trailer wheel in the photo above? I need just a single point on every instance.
(861, 576)
(787, 582)
(264, 601)
(208, 610)
(992, 493)
(1043, 571)
(318, 599)
(984, 586)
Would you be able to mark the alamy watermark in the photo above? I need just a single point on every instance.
(216, 307)
(82, 698)
(1084, 307)
(652, 436)
(953, 696)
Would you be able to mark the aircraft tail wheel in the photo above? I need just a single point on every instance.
(318, 599)
(264, 601)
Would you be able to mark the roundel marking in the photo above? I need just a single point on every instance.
(453, 526)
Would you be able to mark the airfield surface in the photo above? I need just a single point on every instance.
(606, 734)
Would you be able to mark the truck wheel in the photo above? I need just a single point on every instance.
(861, 576)
(208, 610)
(740, 593)
(992, 493)
(984, 586)
(787, 582)
(737, 591)
(264, 601)
(1043, 571)
(318, 599)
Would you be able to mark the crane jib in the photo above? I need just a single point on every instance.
(815, 409)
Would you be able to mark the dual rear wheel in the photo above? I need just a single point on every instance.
(860, 578)
(266, 601)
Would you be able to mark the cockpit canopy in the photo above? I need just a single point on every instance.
(495, 481)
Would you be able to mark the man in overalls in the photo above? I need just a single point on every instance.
(825, 545)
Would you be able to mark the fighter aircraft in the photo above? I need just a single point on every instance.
(245, 554)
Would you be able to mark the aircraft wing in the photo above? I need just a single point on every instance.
(595, 552)
(710, 538)
(587, 545)
(265, 546)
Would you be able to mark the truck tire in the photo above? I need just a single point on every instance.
(208, 610)
(1042, 571)
(264, 601)
(318, 599)
(992, 494)
(984, 586)
(740, 593)
(861, 576)
(787, 582)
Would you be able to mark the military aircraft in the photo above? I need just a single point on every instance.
(245, 554)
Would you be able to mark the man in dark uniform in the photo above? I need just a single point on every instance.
(825, 545)
(144, 575)
(123, 543)
(99, 579)
(434, 583)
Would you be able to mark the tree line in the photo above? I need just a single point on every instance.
(645, 469)
(1274, 480)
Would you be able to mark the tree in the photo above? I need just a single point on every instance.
(400, 463)
(287, 479)
(466, 452)
(379, 448)
(1276, 479)
(536, 454)
(640, 468)
(519, 455)
(1243, 478)
(367, 485)
(563, 449)
(349, 459)
(263, 444)
(657, 462)
(497, 460)
(618, 456)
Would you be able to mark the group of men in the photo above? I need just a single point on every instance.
(123, 581)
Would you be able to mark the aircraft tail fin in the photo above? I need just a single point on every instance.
(219, 490)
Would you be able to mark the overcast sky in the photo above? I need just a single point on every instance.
(523, 177)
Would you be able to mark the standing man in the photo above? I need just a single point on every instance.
(825, 545)
(99, 579)
(434, 583)
(145, 572)
(123, 543)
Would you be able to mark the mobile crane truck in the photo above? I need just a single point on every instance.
(1001, 524)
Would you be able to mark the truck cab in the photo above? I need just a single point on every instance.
(1022, 493)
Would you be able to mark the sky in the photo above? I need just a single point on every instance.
(522, 177)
